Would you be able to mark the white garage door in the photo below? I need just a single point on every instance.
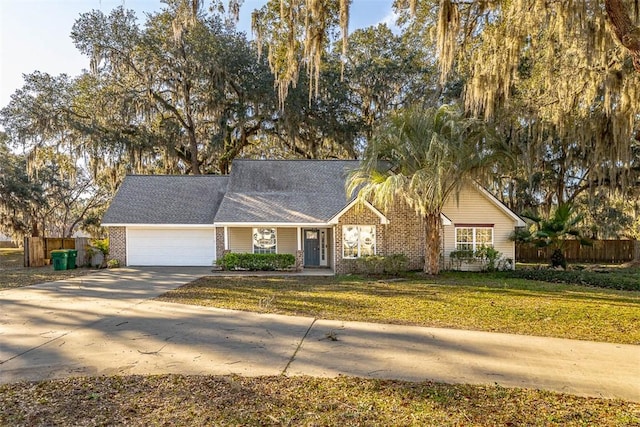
(171, 246)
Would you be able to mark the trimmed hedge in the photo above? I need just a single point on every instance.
(586, 278)
(257, 262)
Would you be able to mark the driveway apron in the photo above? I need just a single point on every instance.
(108, 323)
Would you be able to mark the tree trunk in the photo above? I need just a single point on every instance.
(626, 32)
(34, 228)
(193, 148)
(191, 126)
(432, 244)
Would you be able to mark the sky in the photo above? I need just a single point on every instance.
(35, 34)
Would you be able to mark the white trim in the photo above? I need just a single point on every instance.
(126, 245)
(215, 245)
(254, 231)
(161, 225)
(324, 247)
(226, 238)
(375, 241)
(271, 224)
(299, 238)
(335, 249)
(519, 221)
(474, 244)
(336, 217)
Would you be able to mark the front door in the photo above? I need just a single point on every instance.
(311, 248)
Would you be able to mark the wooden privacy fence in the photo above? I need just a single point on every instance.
(604, 251)
(38, 249)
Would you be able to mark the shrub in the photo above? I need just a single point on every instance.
(257, 262)
(370, 264)
(586, 278)
(459, 256)
(489, 256)
(97, 251)
(558, 259)
(229, 261)
(395, 264)
(463, 254)
(377, 264)
(102, 245)
(113, 263)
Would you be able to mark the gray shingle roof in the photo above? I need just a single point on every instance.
(281, 191)
(167, 199)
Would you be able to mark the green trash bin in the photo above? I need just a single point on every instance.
(59, 258)
(72, 254)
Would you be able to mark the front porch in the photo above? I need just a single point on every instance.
(311, 244)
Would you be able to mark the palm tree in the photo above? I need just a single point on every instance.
(422, 157)
(554, 232)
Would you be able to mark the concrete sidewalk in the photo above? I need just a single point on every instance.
(106, 323)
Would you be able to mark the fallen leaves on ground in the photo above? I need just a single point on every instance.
(235, 400)
(19, 277)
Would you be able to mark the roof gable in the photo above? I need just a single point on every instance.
(354, 202)
(475, 204)
(285, 191)
(519, 222)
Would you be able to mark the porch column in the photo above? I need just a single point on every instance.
(226, 238)
(334, 247)
(299, 252)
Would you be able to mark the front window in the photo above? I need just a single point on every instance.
(358, 241)
(473, 238)
(264, 240)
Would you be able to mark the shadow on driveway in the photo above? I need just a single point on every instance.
(107, 323)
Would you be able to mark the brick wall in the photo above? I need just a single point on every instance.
(299, 260)
(219, 242)
(357, 215)
(403, 235)
(118, 244)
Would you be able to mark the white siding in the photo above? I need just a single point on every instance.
(286, 241)
(240, 239)
(472, 207)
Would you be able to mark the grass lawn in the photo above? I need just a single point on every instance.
(11, 258)
(233, 400)
(488, 302)
(14, 275)
(461, 300)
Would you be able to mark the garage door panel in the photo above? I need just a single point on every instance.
(172, 247)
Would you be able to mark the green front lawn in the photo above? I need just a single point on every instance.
(476, 301)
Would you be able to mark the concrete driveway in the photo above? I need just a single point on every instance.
(107, 323)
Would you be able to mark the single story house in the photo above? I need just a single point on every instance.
(298, 207)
